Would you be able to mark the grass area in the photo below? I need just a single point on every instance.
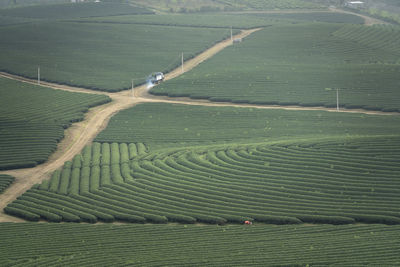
(169, 245)
(317, 167)
(301, 64)
(167, 125)
(226, 20)
(30, 130)
(73, 10)
(99, 56)
(5, 181)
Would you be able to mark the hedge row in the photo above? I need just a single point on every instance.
(5, 181)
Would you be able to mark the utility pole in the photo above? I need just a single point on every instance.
(132, 89)
(182, 62)
(231, 35)
(337, 99)
(38, 75)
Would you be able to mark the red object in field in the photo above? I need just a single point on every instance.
(248, 222)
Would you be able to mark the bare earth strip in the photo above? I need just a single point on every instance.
(83, 133)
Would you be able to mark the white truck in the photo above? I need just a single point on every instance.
(155, 77)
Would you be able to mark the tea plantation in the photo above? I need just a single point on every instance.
(77, 10)
(99, 56)
(242, 21)
(302, 64)
(33, 120)
(5, 181)
(293, 174)
(29, 244)
(172, 185)
(161, 125)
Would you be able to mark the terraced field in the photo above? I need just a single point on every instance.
(360, 61)
(179, 245)
(30, 130)
(5, 181)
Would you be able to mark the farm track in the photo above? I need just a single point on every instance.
(96, 119)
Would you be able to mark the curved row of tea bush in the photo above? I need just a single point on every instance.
(301, 64)
(5, 181)
(192, 245)
(380, 37)
(31, 129)
(336, 181)
(97, 166)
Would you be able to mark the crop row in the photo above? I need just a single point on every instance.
(272, 4)
(144, 245)
(31, 129)
(237, 21)
(61, 62)
(319, 60)
(156, 125)
(280, 183)
(5, 181)
(68, 11)
(380, 37)
(97, 166)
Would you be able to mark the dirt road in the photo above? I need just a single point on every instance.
(83, 133)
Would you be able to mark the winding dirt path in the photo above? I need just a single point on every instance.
(82, 133)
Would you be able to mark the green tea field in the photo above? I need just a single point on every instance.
(191, 245)
(302, 64)
(5, 181)
(307, 176)
(30, 130)
(271, 139)
(109, 55)
(241, 20)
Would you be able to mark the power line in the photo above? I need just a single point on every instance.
(182, 62)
